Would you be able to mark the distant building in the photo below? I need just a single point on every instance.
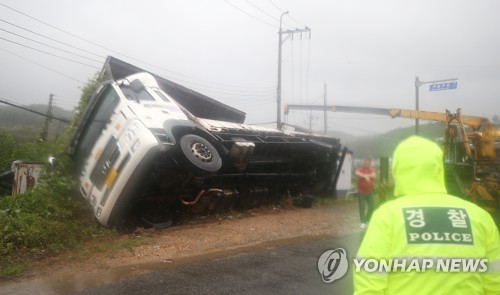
(344, 184)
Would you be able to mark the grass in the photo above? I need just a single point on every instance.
(44, 222)
(13, 267)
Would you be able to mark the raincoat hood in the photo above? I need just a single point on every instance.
(417, 167)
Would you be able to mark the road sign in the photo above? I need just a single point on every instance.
(443, 86)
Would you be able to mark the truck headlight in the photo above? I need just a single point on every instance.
(129, 135)
(93, 200)
(161, 135)
(131, 132)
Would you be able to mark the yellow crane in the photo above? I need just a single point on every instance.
(470, 146)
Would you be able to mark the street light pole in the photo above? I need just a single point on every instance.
(419, 83)
(278, 90)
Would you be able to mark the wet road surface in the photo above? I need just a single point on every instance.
(290, 269)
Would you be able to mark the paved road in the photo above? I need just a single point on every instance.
(285, 270)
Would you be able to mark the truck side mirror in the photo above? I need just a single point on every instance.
(51, 164)
(137, 85)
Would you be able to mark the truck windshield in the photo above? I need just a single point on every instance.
(102, 112)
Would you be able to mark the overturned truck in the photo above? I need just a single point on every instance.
(146, 146)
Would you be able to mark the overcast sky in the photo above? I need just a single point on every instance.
(367, 52)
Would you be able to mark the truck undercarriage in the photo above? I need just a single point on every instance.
(255, 164)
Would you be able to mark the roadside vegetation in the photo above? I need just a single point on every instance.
(50, 218)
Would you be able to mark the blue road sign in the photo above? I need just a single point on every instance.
(443, 86)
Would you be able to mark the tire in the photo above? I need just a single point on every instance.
(200, 153)
(165, 223)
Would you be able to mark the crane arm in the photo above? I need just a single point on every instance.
(472, 121)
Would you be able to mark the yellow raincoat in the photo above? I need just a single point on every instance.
(425, 222)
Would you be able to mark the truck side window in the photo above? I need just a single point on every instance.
(97, 121)
(162, 96)
(142, 95)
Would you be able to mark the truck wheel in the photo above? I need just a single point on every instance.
(200, 152)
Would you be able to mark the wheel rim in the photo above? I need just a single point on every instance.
(202, 152)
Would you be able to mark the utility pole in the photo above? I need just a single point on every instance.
(311, 118)
(48, 119)
(325, 111)
(288, 34)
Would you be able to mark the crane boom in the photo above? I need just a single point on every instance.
(473, 121)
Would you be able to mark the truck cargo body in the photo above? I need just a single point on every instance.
(137, 150)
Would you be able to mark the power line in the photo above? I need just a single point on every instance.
(263, 11)
(50, 69)
(266, 13)
(229, 91)
(60, 30)
(155, 66)
(318, 98)
(281, 10)
(52, 39)
(48, 53)
(295, 20)
(212, 87)
(250, 15)
(113, 51)
(149, 64)
(53, 47)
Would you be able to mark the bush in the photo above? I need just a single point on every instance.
(7, 145)
(44, 220)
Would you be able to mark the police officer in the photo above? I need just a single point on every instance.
(425, 223)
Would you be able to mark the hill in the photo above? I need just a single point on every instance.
(376, 146)
(343, 136)
(25, 126)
